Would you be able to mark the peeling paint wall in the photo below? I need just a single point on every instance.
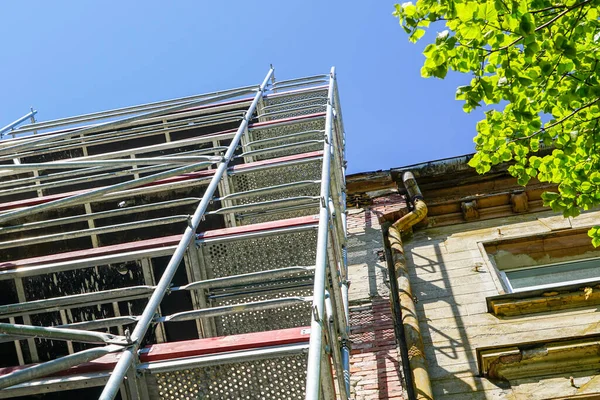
(451, 278)
(376, 370)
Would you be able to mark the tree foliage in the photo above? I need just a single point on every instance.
(535, 64)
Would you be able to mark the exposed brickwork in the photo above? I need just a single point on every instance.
(374, 364)
(376, 371)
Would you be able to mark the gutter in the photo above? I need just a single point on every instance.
(405, 311)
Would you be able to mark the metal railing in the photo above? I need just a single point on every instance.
(326, 280)
(11, 127)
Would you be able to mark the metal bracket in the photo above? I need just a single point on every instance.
(347, 343)
(316, 315)
(127, 334)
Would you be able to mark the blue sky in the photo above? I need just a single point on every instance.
(67, 58)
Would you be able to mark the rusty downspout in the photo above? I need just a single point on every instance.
(410, 323)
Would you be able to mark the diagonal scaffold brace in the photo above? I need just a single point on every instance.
(128, 355)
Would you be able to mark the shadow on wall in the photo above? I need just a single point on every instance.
(377, 372)
(450, 357)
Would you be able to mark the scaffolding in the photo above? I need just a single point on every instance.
(103, 293)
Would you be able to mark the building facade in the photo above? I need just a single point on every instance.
(211, 247)
(498, 294)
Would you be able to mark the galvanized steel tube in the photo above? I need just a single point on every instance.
(16, 122)
(113, 384)
(119, 123)
(313, 377)
(76, 300)
(252, 277)
(53, 333)
(97, 192)
(234, 309)
(110, 163)
(51, 367)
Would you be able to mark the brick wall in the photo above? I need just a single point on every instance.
(376, 371)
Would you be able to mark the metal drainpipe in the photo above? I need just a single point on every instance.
(421, 383)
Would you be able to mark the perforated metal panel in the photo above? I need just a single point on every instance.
(282, 130)
(265, 320)
(310, 170)
(253, 254)
(282, 378)
(319, 97)
(248, 219)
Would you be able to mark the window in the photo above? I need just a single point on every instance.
(552, 275)
(544, 261)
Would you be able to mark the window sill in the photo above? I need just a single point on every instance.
(535, 359)
(544, 300)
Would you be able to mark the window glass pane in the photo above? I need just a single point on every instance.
(555, 274)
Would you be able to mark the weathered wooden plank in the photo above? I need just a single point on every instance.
(572, 325)
(419, 263)
(551, 301)
(432, 293)
(473, 283)
(461, 383)
(462, 299)
(433, 272)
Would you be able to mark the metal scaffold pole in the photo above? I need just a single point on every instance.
(60, 364)
(10, 126)
(127, 357)
(27, 144)
(315, 351)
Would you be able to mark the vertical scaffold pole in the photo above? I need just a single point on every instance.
(127, 358)
(345, 285)
(315, 349)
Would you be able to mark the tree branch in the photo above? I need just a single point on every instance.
(560, 121)
(544, 25)
(558, 6)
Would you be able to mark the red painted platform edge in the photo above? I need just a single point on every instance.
(183, 177)
(154, 243)
(263, 226)
(95, 252)
(190, 348)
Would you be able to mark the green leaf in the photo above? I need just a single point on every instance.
(417, 34)
(466, 11)
(534, 145)
(540, 70)
(585, 186)
(526, 25)
(409, 9)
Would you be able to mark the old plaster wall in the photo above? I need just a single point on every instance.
(376, 371)
(451, 280)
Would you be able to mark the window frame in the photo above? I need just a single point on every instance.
(506, 280)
